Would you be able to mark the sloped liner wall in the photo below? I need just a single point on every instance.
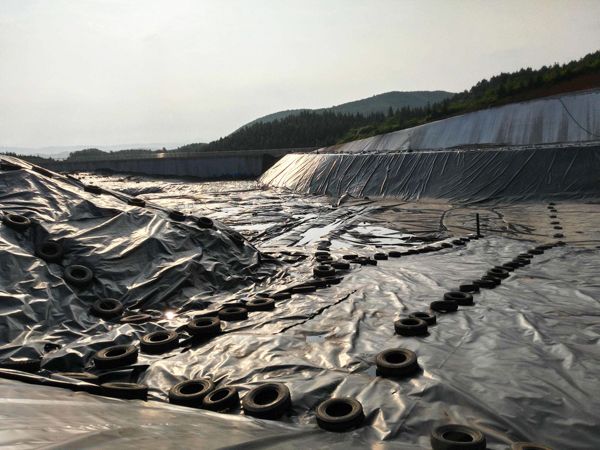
(573, 117)
(457, 175)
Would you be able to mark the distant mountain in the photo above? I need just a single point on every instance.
(380, 103)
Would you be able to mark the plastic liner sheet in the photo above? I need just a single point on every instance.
(571, 117)
(140, 256)
(520, 365)
(461, 176)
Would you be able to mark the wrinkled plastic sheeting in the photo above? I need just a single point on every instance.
(565, 118)
(463, 176)
(139, 256)
(521, 364)
(42, 417)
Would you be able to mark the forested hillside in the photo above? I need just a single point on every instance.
(308, 129)
(380, 103)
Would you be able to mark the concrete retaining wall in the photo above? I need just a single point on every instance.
(209, 166)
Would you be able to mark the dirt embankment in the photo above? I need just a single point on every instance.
(580, 83)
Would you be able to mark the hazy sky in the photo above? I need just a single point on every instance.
(135, 71)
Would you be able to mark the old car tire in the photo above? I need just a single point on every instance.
(428, 318)
(340, 265)
(107, 308)
(267, 401)
(190, 392)
(457, 437)
(177, 216)
(443, 306)
(50, 251)
(497, 281)
(260, 304)
(222, 399)
(485, 284)
(469, 287)
(323, 270)
(410, 326)
(204, 326)
(510, 266)
(78, 275)
(461, 298)
(116, 356)
(366, 261)
(324, 259)
(520, 262)
(333, 280)
(396, 362)
(161, 341)
(233, 313)
(497, 272)
(204, 222)
(16, 221)
(340, 414)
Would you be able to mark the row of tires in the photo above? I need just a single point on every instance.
(494, 276)
(267, 401)
(404, 361)
(178, 216)
(110, 308)
(416, 323)
(52, 251)
(208, 325)
(555, 222)
(323, 256)
(175, 215)
(81, 276)
(395, 362)
(327, 268)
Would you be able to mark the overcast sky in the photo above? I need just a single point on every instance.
(135, 71)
